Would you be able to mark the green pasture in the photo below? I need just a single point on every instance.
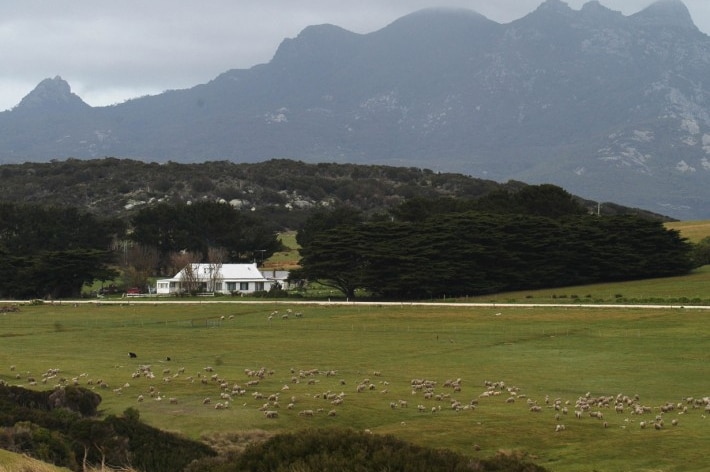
(690, 289)
(288, 257)
(661, 355)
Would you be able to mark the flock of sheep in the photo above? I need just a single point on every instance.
(298, 392)
(273, 395)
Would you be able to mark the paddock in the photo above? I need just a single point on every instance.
(559, 352)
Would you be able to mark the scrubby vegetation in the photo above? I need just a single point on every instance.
(281, 191)
(61, 427)
(336, 450)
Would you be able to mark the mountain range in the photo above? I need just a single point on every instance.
(608, 106)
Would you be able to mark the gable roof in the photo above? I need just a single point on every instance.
(227, 272)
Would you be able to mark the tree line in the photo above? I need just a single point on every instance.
(535, 238)
(52, 252)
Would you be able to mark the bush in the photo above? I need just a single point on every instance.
(345, 450)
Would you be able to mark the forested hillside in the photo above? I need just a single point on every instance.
(283, 191)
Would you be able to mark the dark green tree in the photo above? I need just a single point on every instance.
(337, 258)
(471, 253)
(545, 200)
(53, 252)
(701, 252)
(203, 226)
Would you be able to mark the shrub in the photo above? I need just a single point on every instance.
(345, 450)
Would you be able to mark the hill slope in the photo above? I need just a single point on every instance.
(282, 190)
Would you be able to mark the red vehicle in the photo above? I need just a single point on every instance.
(133, 291)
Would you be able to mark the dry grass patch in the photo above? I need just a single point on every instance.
(694, 231)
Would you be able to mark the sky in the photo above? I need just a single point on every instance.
(113, 50)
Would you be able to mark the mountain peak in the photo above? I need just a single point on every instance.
(666, 13)
(557, 6)
(51, 93)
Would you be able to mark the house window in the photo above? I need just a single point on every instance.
(231, 286)
(244, 286)
(259, 286)
(218, 287)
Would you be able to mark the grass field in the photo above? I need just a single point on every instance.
(11, 462)
(695, 231)
(690, 289)
(556, 353)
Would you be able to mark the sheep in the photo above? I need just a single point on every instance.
(305, 413)
(140, 398)
(271, 414)
(173, 401)
(332, 413)
(132, 355)
(596, 414)
(559, 427)
(207, 401)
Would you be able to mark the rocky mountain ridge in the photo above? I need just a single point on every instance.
(608, 106)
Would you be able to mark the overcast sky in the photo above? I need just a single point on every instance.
(113, 50)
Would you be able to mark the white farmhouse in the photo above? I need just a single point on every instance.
(217, 278)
